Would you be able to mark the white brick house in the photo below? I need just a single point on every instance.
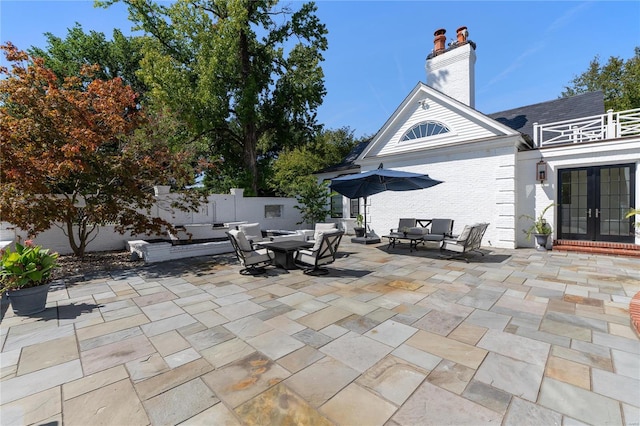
(489, 163)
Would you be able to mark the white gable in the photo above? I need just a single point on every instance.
(425, 104)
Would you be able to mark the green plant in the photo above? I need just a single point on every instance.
(359, 220)
(634, 212)
(27, 266)
(313, 199)
(540, 225)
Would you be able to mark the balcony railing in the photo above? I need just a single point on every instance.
(588, 129)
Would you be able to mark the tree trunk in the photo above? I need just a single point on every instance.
(78, 248)
(248, 119)
(250, 144)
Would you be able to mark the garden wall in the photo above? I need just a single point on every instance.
(270, 212)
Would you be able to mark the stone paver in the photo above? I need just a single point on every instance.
(116, 403)
(588, 407)
(431, 402)
(180, 403)
(516, 337)
(345, 407)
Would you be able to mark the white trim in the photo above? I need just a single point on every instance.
(453, 148)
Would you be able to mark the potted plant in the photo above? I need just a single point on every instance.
(359, 229)
(25, 275)
(540, 229)
(634, 212)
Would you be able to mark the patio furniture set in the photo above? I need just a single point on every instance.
(256, 249)
(422, 231)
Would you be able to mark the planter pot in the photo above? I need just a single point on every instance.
(27, 301)
(541, 241)
(359, 230)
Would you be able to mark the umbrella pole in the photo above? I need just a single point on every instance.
(365, 218)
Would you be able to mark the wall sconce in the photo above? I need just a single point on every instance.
(541, 171)
(423, 103)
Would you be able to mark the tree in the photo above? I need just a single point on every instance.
(618, 80)
(245, 75)
(313, 199)
(119, 57)
(294, 168)
(70, 155)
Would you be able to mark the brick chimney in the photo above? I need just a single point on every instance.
(451, 70)
(462, 34)
(439, 40)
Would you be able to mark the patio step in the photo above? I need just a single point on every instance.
(598, 247)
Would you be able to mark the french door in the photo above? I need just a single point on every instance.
(593, 203)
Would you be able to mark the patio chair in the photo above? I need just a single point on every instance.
(404, 223)
(469, 240)
(253, 260)
(322, 227)
(322, 253)
(252, 232)
(440, 229)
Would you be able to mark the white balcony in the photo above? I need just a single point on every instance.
(588, 129)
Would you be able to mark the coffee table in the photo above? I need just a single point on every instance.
(284, 250)
(395, 237)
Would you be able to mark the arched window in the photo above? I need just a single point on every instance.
(424, 129)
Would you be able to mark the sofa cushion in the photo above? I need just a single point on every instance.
(317, 240)
(325, 226)
(465, 233)
(251, 231)
(441, 226)
(243, 243)
(417, 230)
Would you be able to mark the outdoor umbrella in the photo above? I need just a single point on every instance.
(362, 185)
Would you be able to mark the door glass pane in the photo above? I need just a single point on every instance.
(336, 206)
(354, 207)
(615, 199)
(573, 198)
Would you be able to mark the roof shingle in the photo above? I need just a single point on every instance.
(522, 118)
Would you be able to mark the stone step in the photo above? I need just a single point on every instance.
(598, 247)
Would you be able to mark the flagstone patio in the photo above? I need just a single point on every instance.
(387, 338)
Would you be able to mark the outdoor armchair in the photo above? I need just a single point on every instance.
(404, 223)
(322, 227)
(253, 260)
(252, 232)
(469, 240)
(322, 253)
(440, 229)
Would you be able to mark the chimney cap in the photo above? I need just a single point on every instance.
(440, 31)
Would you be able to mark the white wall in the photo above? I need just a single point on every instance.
(479, 186)
(533, 197)
(220, 208)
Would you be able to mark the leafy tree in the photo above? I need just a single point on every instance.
(294, 167)
(313, 199)
(618, 79)
(71, 158)
(119, 57)
(243, 74)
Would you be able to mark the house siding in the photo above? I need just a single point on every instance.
(533, 197)
(462, 128)
(479, 185)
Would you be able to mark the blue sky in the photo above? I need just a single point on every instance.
(527, 52)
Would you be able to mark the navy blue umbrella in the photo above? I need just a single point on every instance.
(362, 185)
